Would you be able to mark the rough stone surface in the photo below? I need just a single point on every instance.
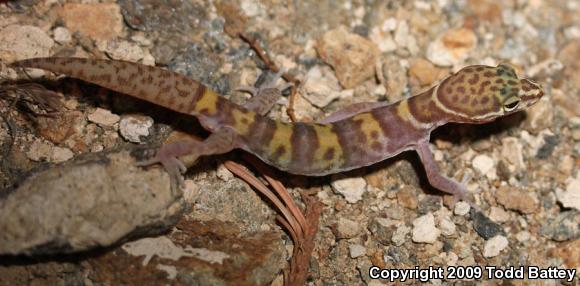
(21, 42)
(515, 199)
(100, 21)
(352, 56)
(424, 230)
(452, 47)
(100, 201)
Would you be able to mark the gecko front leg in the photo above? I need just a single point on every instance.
(439, 181)
(265, 96)
(219, 142)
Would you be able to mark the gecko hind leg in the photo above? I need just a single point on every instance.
(265, 97)
(442, 182)
(219, 142)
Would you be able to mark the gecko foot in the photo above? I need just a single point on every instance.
(167, 156)
(461, 193)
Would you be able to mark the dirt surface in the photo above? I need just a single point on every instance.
(524, 169)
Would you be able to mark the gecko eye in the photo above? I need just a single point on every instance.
(511, 104)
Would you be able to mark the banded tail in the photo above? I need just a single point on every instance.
(162, 87)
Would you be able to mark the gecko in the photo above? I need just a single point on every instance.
(357, 136)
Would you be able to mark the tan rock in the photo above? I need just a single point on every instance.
(100, 21)
(425, 72)
(515, 199)
(352, 56)
(452, 47)
(21, 42)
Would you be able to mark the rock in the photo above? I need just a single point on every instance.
(403, 38)
(62, 35)
(91, 202)
(452, 47)
(487, 10)
(383, 40)
(515, 199)
(461, 208)
(351, 188)
(60, 154)
(512, 151)
(383, 229)
(539, 116)
(134, 126)
(407, 198)
(256, 258)
(39, 151)
(566, 226)
(484, 226)
(523, 236)
(446, 226)
(568, 252)
(424, 230)
(485, 165)
(103, 117)
(494, 246)
(400, 235)
(571, 197)
(569, 56)
(424, 72)
(498, 215)
(347, 228)
(394, 73)
(356, 250)
(122, 50)
(352, 56)
(59, 128)
(320, 87)
(22, 42)
(99, 21)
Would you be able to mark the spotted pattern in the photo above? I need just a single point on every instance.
(155, 85)
(477, 92)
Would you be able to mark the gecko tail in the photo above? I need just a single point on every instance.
(166, 88)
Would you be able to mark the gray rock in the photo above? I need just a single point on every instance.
(95, 201)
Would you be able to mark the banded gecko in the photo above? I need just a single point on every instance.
(357, 136)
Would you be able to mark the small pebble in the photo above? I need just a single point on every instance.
(60, 154)
(485, 165)
(356, 250)
(320, 87)
(461, 208)
(352, 56)
(452, 47)
(484, 226)
(122, 50)
(570, 198)
(498, 215)
(494, 246)
(447, 226)
(424, 230)
(515, 199)
(523, 236)
(400, 235)
(62, 35)
(351, 188)
(512, 151)
(566, 226)
(133, 127)
(103, 117)
(347, 228)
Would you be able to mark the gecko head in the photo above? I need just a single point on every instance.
(479, 94)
